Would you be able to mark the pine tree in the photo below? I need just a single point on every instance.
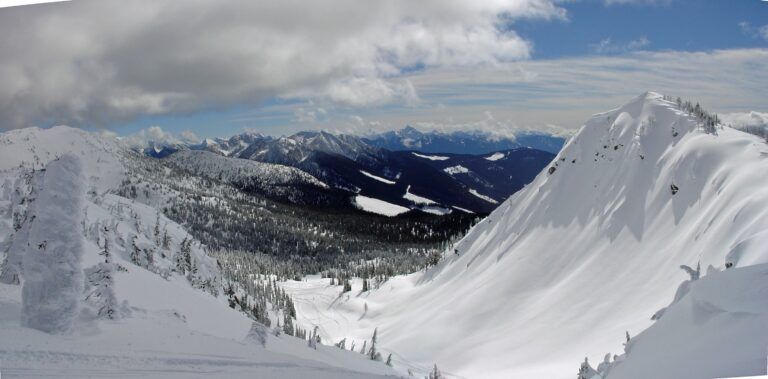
(372, 353)
(166, 240)
(101, 278)
(135, 252)
(288, 326)
(389, 360)
(435, 373)
(157, 228)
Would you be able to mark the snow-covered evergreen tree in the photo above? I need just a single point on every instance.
(22, 196)
(51, 269)
(373, 354)
(435, 373)
(136, 253)
(258, 333)
(101, 279)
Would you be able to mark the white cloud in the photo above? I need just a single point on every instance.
(637, 2)
(157, 135)
(745, 119)
(95, 62)
(565, 92)
(608, 46)
(754, 32)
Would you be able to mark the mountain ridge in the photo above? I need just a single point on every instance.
(589, 250)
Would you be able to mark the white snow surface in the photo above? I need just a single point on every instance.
(368, 174)
(718, 330)
(458, 169)
(566, 266)
(35, 147)
(168, 327)
(481, 196)
(432, 157)
(495, 156)
(212, 165)
(377, 206)
(416, 199)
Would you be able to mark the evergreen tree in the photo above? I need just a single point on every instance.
(135, 252)
(166, 240)
(373, 354)
(288, 326)
(435, 373)
(157, 228)
(101, 279)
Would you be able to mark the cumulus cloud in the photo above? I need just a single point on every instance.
(754, 31)
(155, 134)
(608, 46)
(97, 62)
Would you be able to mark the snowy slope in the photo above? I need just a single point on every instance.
(588, 251)
(211, 165)
(137, 312)
(33, 148)
(721, 326)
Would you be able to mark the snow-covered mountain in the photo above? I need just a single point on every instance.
(582, 258)
(95, 284)
(372, 175)
(295, 149)
(492, 177)
(231, 146)
(462, 142)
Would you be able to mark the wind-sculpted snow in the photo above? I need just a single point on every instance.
(718, 329)
(241, 171)
(589, 250)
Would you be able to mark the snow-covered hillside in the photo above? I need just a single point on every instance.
(586, 253)
(93, 284)
(210, 165)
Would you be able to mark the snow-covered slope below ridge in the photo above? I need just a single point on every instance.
(211, 165)
(564, 267)
(33, 148)
(167, 322)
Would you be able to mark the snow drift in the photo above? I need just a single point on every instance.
(587, 252)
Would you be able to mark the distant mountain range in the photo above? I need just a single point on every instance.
(395, 179)
(462, 142)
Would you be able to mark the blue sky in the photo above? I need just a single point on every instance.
(354, 66)
(689, 25)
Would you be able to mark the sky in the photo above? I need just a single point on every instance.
(210, 69)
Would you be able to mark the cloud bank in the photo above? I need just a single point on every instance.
(97, 62)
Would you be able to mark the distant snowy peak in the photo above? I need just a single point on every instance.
(462, 142)
(294, 149)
